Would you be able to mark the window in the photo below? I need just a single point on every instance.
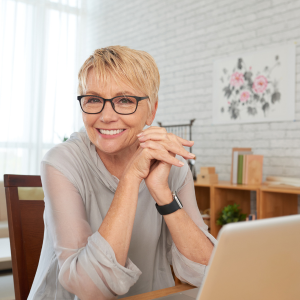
(39, 54)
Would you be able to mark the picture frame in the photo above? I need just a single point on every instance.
(253, 87)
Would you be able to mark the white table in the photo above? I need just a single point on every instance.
(7, 287)
(6, 279)
(4, 229)
(5, 254)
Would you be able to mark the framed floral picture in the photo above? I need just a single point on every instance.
(255, 87)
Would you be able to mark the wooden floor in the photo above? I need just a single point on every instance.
(6, 285)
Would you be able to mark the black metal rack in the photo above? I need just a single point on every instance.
(182, 130)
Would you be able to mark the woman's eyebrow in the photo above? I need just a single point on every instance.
(123, 93)
(92, 93)
(117, 94)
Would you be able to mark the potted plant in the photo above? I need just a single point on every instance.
(230, 214)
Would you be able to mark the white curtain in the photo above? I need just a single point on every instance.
(40, 54)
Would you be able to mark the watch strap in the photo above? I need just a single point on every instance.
(171, 207)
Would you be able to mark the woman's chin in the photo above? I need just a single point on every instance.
(108, 149)
(115, 148)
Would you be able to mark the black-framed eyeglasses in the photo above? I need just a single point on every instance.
(123, 105)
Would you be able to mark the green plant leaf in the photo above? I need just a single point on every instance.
(231, 213)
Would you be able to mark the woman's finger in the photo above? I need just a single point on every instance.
(162, 155)
(152, 145)
(170, 141)
(159, 136)
(173, 147)
(155, 146)
(163, 131)
(190, 143)
(153, 129)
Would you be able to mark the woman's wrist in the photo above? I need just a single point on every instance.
(131, 177)
(162, 196)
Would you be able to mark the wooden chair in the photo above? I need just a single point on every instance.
(26, 231)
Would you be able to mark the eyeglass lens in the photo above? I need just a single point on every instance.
(122, 104)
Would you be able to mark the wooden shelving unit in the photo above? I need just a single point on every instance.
(270, 201)
(277, 201)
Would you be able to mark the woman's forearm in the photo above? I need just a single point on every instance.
(188, 238)
(117, 225)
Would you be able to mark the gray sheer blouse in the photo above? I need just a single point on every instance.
(76, 262)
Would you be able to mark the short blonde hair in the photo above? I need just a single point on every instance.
(133, 67)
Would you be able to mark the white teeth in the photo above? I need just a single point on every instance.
(111, 132)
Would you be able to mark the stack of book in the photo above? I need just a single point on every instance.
(246, 168)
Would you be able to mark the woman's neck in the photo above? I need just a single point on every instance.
(117, 162)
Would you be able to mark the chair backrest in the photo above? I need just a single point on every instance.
(26, 230)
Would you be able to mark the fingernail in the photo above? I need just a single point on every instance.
(181, 163)
(192, 155)
(140, 134)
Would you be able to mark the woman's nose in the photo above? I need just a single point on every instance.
(108, 114)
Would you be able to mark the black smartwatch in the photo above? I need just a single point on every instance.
(171, 207)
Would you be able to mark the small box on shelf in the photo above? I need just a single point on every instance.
(207, 178)
(207, 170)
(207, 175)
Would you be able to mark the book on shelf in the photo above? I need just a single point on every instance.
(246, 167)
(244, 170)
(234, 166)
(254, 169)
(240, 169)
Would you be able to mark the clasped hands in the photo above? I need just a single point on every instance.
(154, 158)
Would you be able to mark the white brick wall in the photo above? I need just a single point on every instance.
(185, 38)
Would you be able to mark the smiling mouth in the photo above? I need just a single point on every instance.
(110, 132)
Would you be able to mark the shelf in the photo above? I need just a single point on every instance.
(203, 196)
(270, 201)
(281, 189)
(202, 184)
(227, 184)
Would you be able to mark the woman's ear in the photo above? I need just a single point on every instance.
(152, 114)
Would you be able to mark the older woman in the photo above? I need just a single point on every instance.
(113, 221)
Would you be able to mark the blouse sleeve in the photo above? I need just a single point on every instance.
(87, 263)
(185, 269)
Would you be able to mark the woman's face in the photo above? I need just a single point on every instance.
(99, 125)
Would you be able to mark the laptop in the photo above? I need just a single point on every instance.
(258, 260)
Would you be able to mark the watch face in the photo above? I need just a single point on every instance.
(178, 200)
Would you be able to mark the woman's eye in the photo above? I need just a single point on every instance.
(93, 100)
(125, 101)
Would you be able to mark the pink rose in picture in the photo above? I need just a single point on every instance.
(260, 84)
(237, 79)
(245, 95)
